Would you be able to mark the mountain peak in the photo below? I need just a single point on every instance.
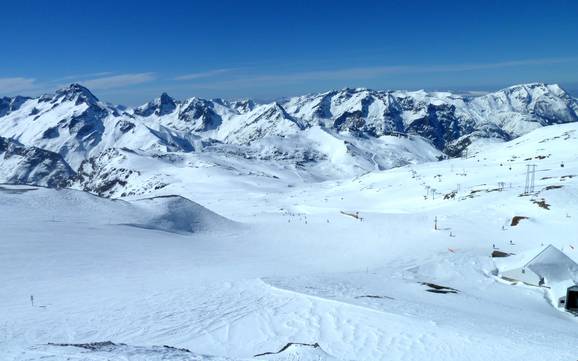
(165, 98)
(162, 105)
(537, 85)
(529, 91)
(75, 88)
(166, 105)
(349, 90)
(76, 92)
(276, 107)
(244, 105)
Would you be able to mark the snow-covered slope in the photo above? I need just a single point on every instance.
(389, 265)
(311, 156)
(522, 108)
(263, 121)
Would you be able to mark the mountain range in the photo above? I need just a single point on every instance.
(72, 138)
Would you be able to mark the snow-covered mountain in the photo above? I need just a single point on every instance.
(328, 135)
(443, 118)
(75, 124)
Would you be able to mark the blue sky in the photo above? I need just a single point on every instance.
(130, 51)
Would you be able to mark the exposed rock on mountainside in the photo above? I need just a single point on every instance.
(31, 165)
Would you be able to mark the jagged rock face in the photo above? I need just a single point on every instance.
(8, 105)
(108, 174)
(192, 115)
(200, 115)
(243, 106)
(32, 165)
(161, 106)
(98, 175)
(167, 105)
(439, 124)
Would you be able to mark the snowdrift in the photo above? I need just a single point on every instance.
(178, 214)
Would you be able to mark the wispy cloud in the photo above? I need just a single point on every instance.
(16, 84)
(496, 65)
(94, 81)
(203, 74)
(84, 76)
(118, 81)
(360, 73)
(247, 79)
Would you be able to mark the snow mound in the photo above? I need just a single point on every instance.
(178, 214)
(165, 213)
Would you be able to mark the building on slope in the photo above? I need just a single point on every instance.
(546, 267)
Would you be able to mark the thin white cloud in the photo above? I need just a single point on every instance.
(16, 84)
(253, 80)
(85, 76)
(497, 65)
(204, 74)
(118, 81)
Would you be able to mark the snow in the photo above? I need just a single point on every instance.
(231, 262)
(232, 230)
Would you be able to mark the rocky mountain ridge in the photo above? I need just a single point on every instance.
(343, 132)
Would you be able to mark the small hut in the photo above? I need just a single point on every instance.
(544, 267)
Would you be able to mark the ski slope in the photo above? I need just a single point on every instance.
(263, 262)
